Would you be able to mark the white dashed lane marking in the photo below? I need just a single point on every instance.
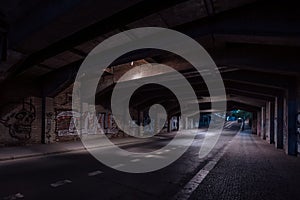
(118, 165)
(95, 173)
(135, 160)
(14, 196)
(60, 183)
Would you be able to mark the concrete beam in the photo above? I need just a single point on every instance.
(242, 106)
(135, 12)
(259, 78)
(263, 90)
(244, 93)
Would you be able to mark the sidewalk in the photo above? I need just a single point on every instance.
(252, 169)
(34, 150)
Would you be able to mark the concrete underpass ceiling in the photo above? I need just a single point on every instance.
(232, 105)
(48, 40)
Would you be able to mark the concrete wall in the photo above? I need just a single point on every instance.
(20, 122)
(62, 122)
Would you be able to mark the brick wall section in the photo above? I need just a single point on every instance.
(62, 102)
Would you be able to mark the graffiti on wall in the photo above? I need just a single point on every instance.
(90, 123)
(174, 123)
(19, 121)
(101, 121)
(66, 123)
(111, 124)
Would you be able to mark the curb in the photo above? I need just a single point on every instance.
(75, 149)
(65, 151)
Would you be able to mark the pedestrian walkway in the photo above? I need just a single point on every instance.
(252, 169)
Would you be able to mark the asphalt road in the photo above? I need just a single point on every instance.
(78, 175)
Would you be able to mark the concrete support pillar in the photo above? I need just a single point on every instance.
(258, 122)
(169, 124)
(292, 126)
(49, 120)
(125, 121)
(298, 111)
(268, 121)
(138, 117)
(181, 123)
(141, 120)
(186, 123)
(43, 135)
(278, 122)
(263, 123)
(254, 123)
(34, 104)
(191, 123)
(285, 124)
(272, 120)
(178, 124)
(138, 114)
(275, 122)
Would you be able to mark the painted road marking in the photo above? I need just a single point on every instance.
(135, 160)
(118, 165)
(95, 173)
(191, 186)
(60, 183)
(14, 196)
